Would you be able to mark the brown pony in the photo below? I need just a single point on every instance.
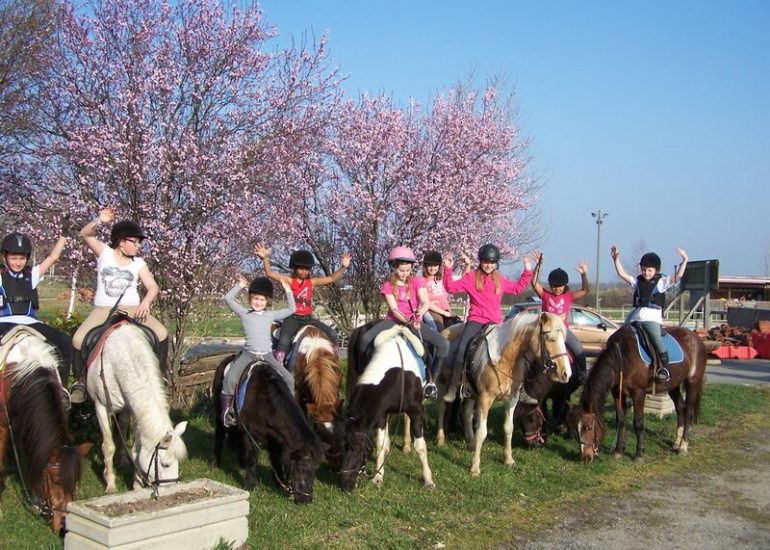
(33, 427)
(621, 370)
(516, 346)
(317, 378)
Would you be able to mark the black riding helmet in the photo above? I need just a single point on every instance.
(558, 277)
(123, 230)
(650, 260)
(489, 252)
(432, 257)
(262, 286)
(16, 243)
(301, 258)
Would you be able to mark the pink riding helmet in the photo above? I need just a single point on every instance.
(401, 254)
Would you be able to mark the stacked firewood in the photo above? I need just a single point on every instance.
(727, 335)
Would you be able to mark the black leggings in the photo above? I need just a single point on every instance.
(294, 322)
(470, 330)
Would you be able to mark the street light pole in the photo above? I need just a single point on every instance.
(599, 215)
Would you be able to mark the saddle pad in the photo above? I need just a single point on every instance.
(675, 353)
(94, 353)
(243, 383)
(418, 359)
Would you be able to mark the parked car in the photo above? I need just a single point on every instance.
(592, 329)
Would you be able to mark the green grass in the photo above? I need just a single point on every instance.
(461, 511)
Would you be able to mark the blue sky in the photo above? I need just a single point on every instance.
(657, 113)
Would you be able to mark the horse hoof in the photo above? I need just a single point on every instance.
(377, 480)
(510, 463)
(110, 490)
(617, 455)
(475, 473)
(561, 429)
(430, 486)
(638, 460)
(407, 450)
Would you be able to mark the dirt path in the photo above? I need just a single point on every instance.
(725, 509)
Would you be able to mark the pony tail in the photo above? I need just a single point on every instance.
(498, 283)
(479, 282)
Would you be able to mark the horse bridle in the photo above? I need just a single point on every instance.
(546, 358)
(537, 435)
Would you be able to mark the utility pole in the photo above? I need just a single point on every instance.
(599, 215)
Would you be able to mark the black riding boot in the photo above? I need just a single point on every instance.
(161, 350)
(582, 369)
(663, 375)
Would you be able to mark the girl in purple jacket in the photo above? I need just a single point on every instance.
(485, 287)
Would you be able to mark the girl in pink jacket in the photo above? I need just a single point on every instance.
(485, 288)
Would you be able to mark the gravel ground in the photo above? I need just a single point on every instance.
(728, 509)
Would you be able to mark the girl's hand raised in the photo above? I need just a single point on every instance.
(262, 251)
(449, 260)
(582, 266)
(286, 286)
(346, 259)
(107, 215)
(243, 281)
(614, 252)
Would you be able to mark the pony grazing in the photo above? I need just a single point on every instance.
(270, 417)
(513, 350)
(317, 378)
(621, 370)
(125, 375)
(33, 425)
(391, 383)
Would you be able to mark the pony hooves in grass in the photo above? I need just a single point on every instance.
(377, 480)
(683, 449)
(430, 485)
(638, 460)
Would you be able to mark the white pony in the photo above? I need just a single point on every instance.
(23, 344)
(133, 382)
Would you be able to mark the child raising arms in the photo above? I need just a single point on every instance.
(650, 289)
(558, 301)
(302, 285)
(256, 328)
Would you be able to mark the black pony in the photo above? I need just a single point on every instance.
(270, 418)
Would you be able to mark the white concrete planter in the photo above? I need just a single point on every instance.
(659, 405)
(192, 515)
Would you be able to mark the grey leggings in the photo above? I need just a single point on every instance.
(244, 360)
(655, 330)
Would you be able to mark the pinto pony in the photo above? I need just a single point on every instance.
(317, 378)
(389, 383)
(515, 347)
(125, 375)
(621, 370)
(33, 425)
(271, 418)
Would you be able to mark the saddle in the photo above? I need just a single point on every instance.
(413, 342)
(647, 350)
(95, 338)
(7, 342)
(291, 354)
(243, 382)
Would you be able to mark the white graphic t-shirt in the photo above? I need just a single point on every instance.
(113, 280)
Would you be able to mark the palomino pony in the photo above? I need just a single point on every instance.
(33, 424)
(390, 383)
(125, 375)
(621, 370)
(270, 417)
(514, 349)
(317, 378)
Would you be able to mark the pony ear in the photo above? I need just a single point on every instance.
(180, 428)
(544, 317)
(84, 448)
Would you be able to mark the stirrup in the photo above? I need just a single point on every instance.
(525, 398)
(663, 375)
(465, 391)
(77, 393)
(229, 420)
(430, 391)
(66, 399)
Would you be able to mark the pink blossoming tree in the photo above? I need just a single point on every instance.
(178, 115)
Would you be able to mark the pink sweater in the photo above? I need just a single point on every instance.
(485, 304)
